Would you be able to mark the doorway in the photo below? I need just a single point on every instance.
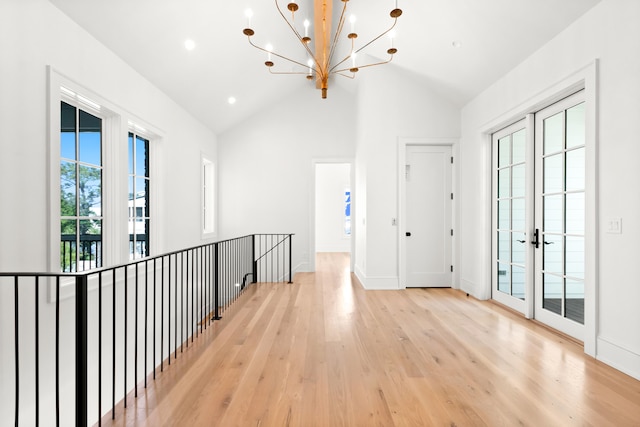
(333, 207)
(428, 228)
(539, 216)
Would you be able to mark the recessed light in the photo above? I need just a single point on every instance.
(189, 44)
(456, 43)
(231, 100)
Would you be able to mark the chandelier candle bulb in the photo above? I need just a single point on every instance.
(249, 14)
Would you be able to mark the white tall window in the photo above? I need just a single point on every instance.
(81, 171)
(138, 198)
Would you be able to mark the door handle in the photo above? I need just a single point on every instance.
(408, 234)
(521, 241)
(536, 240)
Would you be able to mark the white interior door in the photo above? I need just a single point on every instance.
(428, 216)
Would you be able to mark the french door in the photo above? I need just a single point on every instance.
(539, 215)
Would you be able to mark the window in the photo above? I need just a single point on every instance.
(208, 194)
(80, 189)
(138, 203)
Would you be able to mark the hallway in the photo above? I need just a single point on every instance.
(324, 352)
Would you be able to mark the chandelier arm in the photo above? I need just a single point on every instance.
(363, 66)
(297, 34)
(336, 36)
(279, 56)
(332, 70)
(395, 21)
(352, 76)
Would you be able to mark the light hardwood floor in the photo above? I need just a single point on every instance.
(324, 352)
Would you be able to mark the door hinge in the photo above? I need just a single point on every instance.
(452, 231)
(452, 268)
(451, 196)
(451, 159)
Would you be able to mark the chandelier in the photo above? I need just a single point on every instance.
(321, 61)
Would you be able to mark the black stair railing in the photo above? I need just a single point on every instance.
(84, 342)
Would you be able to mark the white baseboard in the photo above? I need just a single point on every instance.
(618, 357)
(377, 283)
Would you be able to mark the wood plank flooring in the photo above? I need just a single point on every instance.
(324, 352)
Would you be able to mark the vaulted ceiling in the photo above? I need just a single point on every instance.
(492, 36)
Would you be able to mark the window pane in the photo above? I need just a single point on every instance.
(553, 217)
(519, 146)
(576, 126)
(519, 244)
(90, 197)
(553, 135)
(142, 168)
(575, 213)
(575, 169)
(67, 131)
(503, 215)
(574, 303)
(552, 293)
(90, 249)
(67, 189)
(517, 281)
(552, 253)
(131, 170)
(518, 184)
(574, 257)
(89, 138)
(553, 174)
(504, 252)
(504, 178)
(68, 245)
(504, 278)
(141, 194)
(504, 153)
(517, 214)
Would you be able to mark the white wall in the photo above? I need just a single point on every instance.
(332, 179)
(609, 32)
(266, 168)
(392, 103)
(34, 35)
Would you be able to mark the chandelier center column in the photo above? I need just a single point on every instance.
(322, 25)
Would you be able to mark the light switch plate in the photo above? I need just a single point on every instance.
(614, 226)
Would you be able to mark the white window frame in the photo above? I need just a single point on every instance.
(139, 131)
(117, 122)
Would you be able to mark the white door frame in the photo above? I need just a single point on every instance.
(584, 78)
(312, 208)
(402, 204)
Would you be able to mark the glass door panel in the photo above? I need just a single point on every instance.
(510, 237)
(560, 218)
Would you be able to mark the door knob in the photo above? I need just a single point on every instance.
(408, 234)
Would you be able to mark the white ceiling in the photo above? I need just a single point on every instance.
(495, 36)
